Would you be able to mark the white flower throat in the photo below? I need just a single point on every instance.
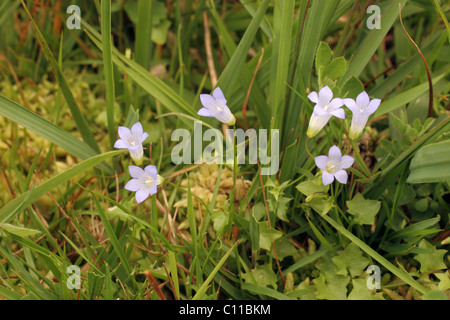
(331, 167)
(149, 182)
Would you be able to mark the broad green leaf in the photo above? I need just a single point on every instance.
(364, 211)
(431, 164)
(352, 88)
(336, 68)
(19, 231)
(323, 56)
(405, 97)
(435, 295)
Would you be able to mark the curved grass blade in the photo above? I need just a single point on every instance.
(81, 122)
(30, 196)
(47, 130)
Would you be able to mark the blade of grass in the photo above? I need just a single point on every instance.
(201, 291)
(25, 198)
(372, 41)
(78, 117)
(376, 256)
(108, 67)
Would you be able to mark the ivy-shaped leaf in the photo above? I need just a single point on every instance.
(267, 235)
(432, 259)
(364, 211)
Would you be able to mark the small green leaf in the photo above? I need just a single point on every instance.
(323, 55)
(351, 260)
(352, 88)
(444, 280)
(220, 221)
(331, 286)
(262, 275)
(336, 68)
(322, 205)
(267, 235)
(361, 292)
(432, 260)
(364, 211)
(312, 186)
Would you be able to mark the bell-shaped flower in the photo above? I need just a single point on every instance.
(361, 109)
(215, 105)
(333, 166)
(325, 108)
(132, 140)
(144, 182)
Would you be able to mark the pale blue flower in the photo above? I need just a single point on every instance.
(333, 166)
(132, 140)
(144, 182)
(325, 108)
(362, 108)
(215, 105)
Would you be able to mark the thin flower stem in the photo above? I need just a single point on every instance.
(360, 160)
(306, 148)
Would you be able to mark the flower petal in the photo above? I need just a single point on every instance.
(121, 144)
(313, 97)
(339, 113)
(124, 133)
(137, 130)
(316, 123)
(136, 172)
(362, 100)
(346, 162)
(142, 194)
(153, 189)
(373, 106)
(319, 111)
(143, 137)
(208, 101)
(351, 104)
(321, 162)
(327, 178)
(218, 95)
(151, 171)
(204, 112)
(325, 96)
(134, 185)
(334, 154)
(335, 104)
(341, 176)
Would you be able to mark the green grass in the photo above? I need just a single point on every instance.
(222, 231)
